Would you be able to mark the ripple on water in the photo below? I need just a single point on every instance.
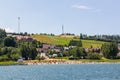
(61, 72)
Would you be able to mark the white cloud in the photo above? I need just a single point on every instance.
(9, 29)
(82, 7)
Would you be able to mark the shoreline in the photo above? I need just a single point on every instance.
(67, 62)
(56, 62)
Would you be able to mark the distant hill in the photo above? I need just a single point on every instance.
(64, 40)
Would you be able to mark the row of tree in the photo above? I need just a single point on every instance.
(107, 38)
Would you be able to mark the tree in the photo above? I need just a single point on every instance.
(110, 50)
(28, 51)
(113, 50)
(33, 52)
(15, 56)
(24, 51)
(4, 50)
(72, 52)
(10, 53)
(37, 44)
(51, 52)
(9, 41)
(4, 58)
(93, 56)
(81, 36)
(2, 36)
(65, 53)
(79, 43)
(2, 33)
(75, 43)
(80, 52)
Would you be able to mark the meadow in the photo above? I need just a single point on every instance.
(58, 40)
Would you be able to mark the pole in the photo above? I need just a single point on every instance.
(62, 29)
(18, 25)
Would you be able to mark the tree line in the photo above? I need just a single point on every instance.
(107, 38)
(13, 49)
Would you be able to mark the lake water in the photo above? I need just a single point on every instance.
(61, 72)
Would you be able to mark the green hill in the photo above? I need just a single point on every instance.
(58, 40)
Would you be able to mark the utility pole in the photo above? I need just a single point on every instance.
(18, 25)
(63, 29)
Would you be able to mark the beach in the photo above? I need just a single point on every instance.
(52, 62)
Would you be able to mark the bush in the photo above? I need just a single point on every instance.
(117, 57)
(75, 43)
(4, 58)
(110, 50)
(94, 56)
(9, 53)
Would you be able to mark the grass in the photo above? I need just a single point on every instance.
(88, 60)
(6, 63)
(9, 63)
(101, 60)
(57, 40)
(93, 43)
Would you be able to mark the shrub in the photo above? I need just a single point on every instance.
(94, 56)
(110, 50)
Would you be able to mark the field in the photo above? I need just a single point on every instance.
(57, 40)
(93, 43)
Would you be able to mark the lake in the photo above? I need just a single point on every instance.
(61, 72)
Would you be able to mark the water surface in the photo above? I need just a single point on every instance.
(61, 72)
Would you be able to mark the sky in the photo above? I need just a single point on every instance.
(47, 16)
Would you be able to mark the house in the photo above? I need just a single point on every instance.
(97, 50)
(57, 50)
(24, 37)
(66, 48)
(52, 56)
(48, 46)
(43, 55)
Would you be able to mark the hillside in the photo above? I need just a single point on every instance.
(58, 40)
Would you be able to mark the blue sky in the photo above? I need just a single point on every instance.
(47, 16)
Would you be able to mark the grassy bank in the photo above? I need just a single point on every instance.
(88, 60)
(10, 63)
(108, 60)
(7, 63)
